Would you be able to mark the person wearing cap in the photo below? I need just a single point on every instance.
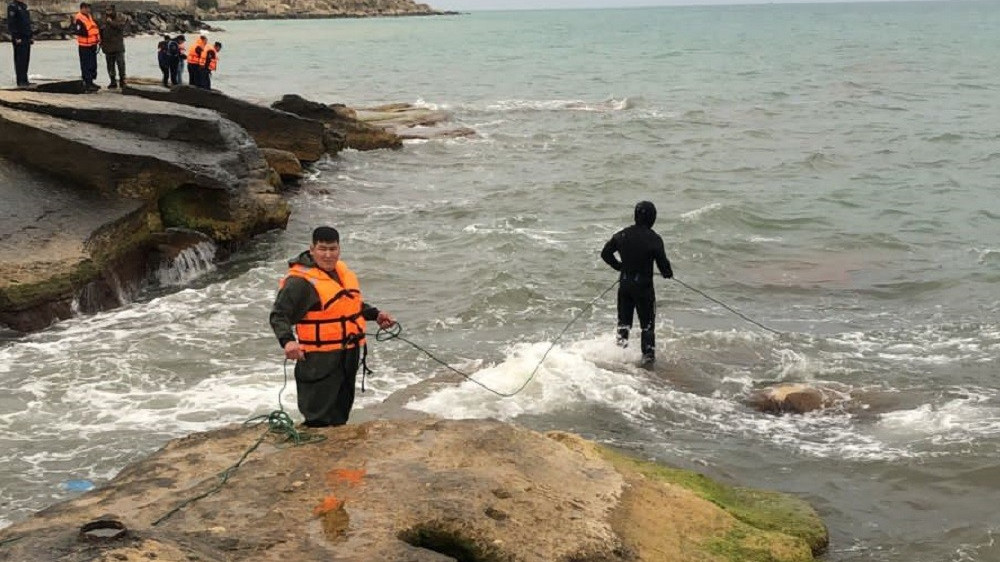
(88, 37)
(639, 247)
(19, 26)
(113, 44)
(194, 57)
(209, 62)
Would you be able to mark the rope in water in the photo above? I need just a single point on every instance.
(280, 422)
(727, 307)
(395, 334)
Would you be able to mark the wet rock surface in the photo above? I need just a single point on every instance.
(341, 121)
(385, 126)
(416, 490)
(92, 178)
(793, 398)
(270, 128)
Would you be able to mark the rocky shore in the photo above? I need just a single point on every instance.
(419, 490)
(314, 9)
(52, 19)
(103, 189)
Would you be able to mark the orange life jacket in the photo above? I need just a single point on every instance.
(338, 323)
(210, 62)
(194, 57)
(93, 36)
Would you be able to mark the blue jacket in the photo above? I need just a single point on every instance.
(18, 20)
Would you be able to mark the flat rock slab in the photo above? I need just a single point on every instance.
(43, 223)
(271, 128)
(404, 490)
(106, 172)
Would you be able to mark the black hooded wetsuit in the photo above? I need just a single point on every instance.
(639, 246)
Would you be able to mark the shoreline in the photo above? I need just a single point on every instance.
(50, 25)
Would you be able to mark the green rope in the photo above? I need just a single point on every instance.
(278, 422)
(5, 542)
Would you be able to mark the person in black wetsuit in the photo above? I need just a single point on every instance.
(638, 246)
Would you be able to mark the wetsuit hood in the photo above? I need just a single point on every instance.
(645, 213)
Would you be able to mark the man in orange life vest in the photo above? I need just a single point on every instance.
(209, 62)
(88, 37)
(194, 58)
(321, 298)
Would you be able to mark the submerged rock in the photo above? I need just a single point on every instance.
(417, 490)
(412, 122)
(91, 179)
(342, 121)
(790, 398)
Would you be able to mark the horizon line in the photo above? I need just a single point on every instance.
(696, 3)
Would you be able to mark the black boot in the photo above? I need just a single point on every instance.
(621, 336)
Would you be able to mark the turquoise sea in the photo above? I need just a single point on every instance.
(830, 170)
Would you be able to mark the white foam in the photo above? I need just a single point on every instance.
(958, 420)
(697, 213)
(756, 239)
(546, 237)
(610, 104)
(189, 264)
(566, 377)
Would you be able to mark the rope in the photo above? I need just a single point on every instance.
(395, 334)
(729, 308)
(278, 422)
(223, 478)
(5, 542)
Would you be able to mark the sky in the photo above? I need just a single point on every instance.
(472, 5)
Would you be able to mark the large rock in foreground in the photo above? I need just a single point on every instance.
(424, 490)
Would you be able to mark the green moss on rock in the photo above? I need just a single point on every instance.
(771, 526)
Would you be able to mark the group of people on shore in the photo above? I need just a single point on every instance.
(202, 59)
(108, 36)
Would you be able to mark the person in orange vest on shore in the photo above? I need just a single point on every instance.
(88, 37)
(194, 57)
(209, 63)
(319, 319)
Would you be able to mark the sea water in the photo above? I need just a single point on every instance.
(829, 170)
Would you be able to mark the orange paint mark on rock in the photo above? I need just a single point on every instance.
(346, 475)
(330, 503)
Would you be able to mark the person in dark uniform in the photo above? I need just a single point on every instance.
(639, 246)
(319, 319)
(19, 25)
(112, 28)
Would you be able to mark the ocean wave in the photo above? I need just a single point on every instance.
(564, 378)
(961, 420)
(545, 237)
(696, 214)
(608, 105)
(988, 256)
